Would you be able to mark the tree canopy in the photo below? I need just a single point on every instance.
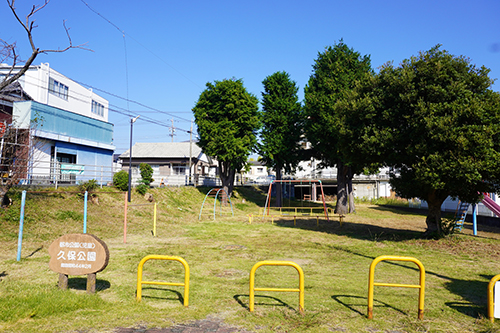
(281, 125)
(336, 72)
(227, 117)
(435, 120)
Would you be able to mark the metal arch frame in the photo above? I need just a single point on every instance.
(140, 282)
(420, 286)
(215, 202)
(300, 290)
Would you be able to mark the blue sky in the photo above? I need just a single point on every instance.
(171, 49)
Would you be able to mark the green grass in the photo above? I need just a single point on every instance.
(221, 253)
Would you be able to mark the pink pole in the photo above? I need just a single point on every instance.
(125, 220)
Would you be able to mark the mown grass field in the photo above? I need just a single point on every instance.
(335, 260)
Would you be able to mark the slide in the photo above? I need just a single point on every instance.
(491, 205)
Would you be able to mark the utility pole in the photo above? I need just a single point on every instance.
(190, 149)
(173, 130)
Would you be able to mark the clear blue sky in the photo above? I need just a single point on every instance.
(171, 49)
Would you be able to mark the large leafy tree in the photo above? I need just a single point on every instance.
(227, 117)
(436, 121)
(335, 74)
(281, 125)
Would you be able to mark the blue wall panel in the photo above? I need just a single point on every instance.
(57, 121)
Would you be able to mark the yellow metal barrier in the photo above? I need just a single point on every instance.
(296, 212)
(160, 257)
(491, 303)
(300, 290)
(420, 286)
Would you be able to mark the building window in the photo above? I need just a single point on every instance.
(97, 108)
(260, 170)
(58, 89)
(179, 169)
(66, 158)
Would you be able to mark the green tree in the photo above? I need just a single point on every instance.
(436, 121)
(335, 74)
(120, 180)
(146, 173)
(227, 117)
(146, 178)
(281, 126)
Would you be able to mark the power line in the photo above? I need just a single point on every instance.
(135, 40)
(114, 108)
(132, 101)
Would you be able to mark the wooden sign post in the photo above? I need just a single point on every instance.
(78, 254)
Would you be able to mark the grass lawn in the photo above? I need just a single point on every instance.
(220, 253)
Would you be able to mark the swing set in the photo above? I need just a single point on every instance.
(296, 211)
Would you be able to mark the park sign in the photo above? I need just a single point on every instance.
(78, 254)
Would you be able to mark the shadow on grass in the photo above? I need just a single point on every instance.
(32, 253)
(177, 295)
(276, 301)
(474, 293)
(80, 283)
(252, 194)
(353, 230)
(350, 305)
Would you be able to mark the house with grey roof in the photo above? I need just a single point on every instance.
(172, 162)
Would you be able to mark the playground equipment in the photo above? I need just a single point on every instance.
(302, 211)
(140, 282)
(125, 217)
(300, 290)
(21, 220)
(461, 214)
(463, 207)
(214, 192)
(420, 286)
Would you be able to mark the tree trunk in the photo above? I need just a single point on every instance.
(433, 220)
(4, 200)
(279, 188)
(342, 194)
(226, 175)
(350, 192)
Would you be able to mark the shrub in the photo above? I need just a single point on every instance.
(146, 173)
(142, 188)
(88, 186)
(120, 180)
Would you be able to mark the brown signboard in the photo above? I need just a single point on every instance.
(78, 254)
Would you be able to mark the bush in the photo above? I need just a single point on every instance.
(146, 173)
(120, 180)
(142, 188)
(88, 186)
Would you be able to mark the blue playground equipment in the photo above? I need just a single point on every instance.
(463, 207)
(461, 214)
(214, 192)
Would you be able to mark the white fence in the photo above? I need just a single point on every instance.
(54, 174)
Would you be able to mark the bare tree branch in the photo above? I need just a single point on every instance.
(8, 51)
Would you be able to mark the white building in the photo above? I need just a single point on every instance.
(74, 140)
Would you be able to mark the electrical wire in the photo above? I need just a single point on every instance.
(135, 40)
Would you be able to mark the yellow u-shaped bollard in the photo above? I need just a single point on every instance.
(420, 286)
(300, 290)
(491, 303)
(160, 257)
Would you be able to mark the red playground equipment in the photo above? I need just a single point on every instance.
(267, 207)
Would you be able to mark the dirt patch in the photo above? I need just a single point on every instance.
(232, 273)
(461, 246)
(199, 326)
